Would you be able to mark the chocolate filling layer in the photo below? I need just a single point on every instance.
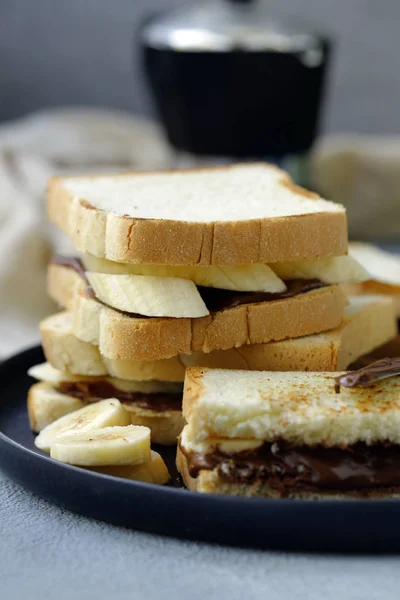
(215, 299)
(287, 468)
(93, 391)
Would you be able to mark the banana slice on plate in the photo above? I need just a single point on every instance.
(242, 278)
(106, 413)
(152, 471)
(337, 269)
(149, 296)
(128, 445)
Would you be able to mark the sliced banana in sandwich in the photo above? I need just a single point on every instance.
(337, 269)
(45, 372)
(129, 445)
(106, 413)
(242, 278)
(152, 471)
(149, 296)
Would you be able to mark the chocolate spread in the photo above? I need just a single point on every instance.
(215, 299)
(93, 391)
(286, 467)
(381, 369)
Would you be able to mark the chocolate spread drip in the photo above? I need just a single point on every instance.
(381, 369)
(287, 467)
(93, 391)
(215, 299)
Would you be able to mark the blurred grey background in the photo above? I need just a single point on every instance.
(58, 52)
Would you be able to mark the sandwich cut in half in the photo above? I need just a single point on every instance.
(198, 260)
(292, 435)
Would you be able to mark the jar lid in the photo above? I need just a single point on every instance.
(224, 26)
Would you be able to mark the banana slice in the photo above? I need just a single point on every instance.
(242, 278)
(106, 413)
(153, 471)
(149, 296)
(337, 269)
(45, 372)
(129, 445)
(225, 445)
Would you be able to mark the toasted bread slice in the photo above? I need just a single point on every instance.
(239, 214)
(293, 435)
(46, 404)
(296, 407)
(121, 336)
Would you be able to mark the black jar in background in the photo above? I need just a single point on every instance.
(231, 82)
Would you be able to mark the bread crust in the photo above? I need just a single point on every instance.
(165, 426)
(123, 337)
(65, 352)
(127, 338)
(210, 482)
(358, 334)
(161, 241)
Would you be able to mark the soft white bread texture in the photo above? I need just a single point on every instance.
(46, 405)
(210, 482)
(121, 336)
(66, 352)
(383, 268)
(301, 408)
(233, 215)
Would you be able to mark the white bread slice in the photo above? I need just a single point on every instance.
(300, 408)
(65, 352)
(46, 404)
(239, 214)
(210, 482)
(120, 336)
(368, 323)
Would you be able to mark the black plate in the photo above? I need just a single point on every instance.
(367, 525)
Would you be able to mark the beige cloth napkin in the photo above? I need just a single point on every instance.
(362, 173)
(31, 150)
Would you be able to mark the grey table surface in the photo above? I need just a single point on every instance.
(46, 552)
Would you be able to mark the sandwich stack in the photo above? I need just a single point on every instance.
(233, 268)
